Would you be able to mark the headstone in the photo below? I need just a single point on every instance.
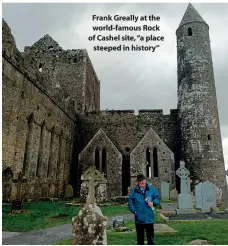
(208, 196)
(89, 226)
(94, 182)
(188, 183)
(117, 221)
(185, 204)
(17, 206)
(173, 194)
(164, 190)
(198, 194)
(68, 192)
(218, 196)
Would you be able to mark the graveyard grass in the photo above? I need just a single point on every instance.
(214, 231)
(46, 214)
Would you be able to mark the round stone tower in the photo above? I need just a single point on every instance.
(197, 103)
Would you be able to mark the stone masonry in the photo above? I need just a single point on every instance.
(53, 128)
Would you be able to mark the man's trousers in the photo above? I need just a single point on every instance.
(149, 228)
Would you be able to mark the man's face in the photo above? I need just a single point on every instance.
(142, 183)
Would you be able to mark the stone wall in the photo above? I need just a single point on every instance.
(126, 130)
(38, 131)
(105, 160)
(70, 70)
(154, 159)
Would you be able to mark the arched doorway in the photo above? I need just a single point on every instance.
(126, 177)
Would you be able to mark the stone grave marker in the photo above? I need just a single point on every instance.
(198, 194)
(17, 206)
(189, 184)
(117, 221)
(208, 196)
(218, 196)
(69, 192)
(164, 190)
(173, 194)
(94, 181)
(185, 204)
(89, 226)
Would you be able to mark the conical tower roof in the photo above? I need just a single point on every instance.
(191, 15)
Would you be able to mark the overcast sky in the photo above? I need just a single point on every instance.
(129, 80)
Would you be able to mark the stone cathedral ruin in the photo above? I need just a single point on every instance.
(53, 128)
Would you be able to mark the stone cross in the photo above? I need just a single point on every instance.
(183, 173)
(94, 177)
(91, 191)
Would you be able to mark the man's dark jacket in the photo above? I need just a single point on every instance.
(144, 214)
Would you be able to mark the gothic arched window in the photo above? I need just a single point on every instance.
(148, 166)
(104, 167)
(155, 162)
(97, 159)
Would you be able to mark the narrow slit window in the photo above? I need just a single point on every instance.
(209, 137)
(189, 31)
(97, 159)
(148, 166)
(104, 167)
(155, 161)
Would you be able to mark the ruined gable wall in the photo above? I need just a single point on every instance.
(24, 98)
(66, 69)
(70, 70)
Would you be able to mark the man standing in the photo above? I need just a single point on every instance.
(142, 200)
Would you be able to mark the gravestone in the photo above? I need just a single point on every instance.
(164, 190)
(189, 186)
(208, 196)
(89, 226)
(173, 194)
(185, 204)
(17, 206)
(68, 192)
(92, 177)
(218, 196)
(198, 194)
(117, 221)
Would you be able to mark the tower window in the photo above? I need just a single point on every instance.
(40, 67)
(50, 47)
(209, 137)
(189, 31)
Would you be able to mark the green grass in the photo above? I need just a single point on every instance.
(213, 231)
(37, 215)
